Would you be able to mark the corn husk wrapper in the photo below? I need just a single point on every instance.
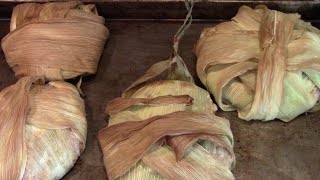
(263, 63)
(42, 129)
(58, 40)
(166, 129)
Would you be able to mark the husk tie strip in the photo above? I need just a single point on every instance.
(166, 129)
(263, 63)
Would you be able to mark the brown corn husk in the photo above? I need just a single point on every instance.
(58, 40)
(43, 127)
(166, 129)
(262, 63)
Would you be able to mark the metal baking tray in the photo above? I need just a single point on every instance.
(141, 33)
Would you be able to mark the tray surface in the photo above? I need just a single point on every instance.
(272, 150)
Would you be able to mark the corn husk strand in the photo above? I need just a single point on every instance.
(43, 127)
(263, 63)
(166, 129)
(55, 40)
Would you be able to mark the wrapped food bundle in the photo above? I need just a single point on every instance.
(56, 40)
(166, 129)
(263, 63)
(43, 129)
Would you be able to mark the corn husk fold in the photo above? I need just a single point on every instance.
(263, 63)
(43, 129)
(58, 40)
(166, 129)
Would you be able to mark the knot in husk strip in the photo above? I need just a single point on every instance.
(166, 129)
(263, 63)
(58, 40)
(43, 129)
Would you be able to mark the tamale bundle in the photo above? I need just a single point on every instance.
(263, 63)
(164, 127)
(58, 40)
(42, 129)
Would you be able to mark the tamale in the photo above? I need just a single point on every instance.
(58, 40)
(263, 63)
(43, 129)
(164, 127)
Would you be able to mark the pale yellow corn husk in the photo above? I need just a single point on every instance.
(43, 129)
(263, 63)
(166, 129)
(210, 161)
(58, 40)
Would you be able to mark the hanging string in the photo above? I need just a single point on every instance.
(184, 27)
(179, 70)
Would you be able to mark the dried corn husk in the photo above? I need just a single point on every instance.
(166, 129)
(42, 129)
(263, 63)
(58, 40)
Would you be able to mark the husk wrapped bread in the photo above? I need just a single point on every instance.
(263, 63)
(43, 129)
(166, 129)
(58, 40)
